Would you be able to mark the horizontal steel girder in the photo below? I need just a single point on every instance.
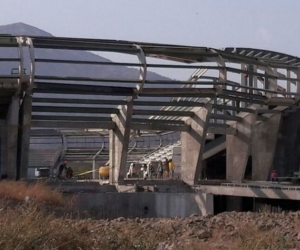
(73, 124)
(75, 110)
(90, 110)
(117, 102)
(105, 125)
(225, 117)
(46, 87)
(70, 118)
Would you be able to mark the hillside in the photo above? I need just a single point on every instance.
(64, 69)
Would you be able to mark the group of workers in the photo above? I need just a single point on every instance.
(163, 170)
(64, 172)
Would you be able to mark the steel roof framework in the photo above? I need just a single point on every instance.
(86, 108)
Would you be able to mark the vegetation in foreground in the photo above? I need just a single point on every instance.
(27, 225)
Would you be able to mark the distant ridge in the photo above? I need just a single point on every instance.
(22, 29)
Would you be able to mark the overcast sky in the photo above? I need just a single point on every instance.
(266, 24)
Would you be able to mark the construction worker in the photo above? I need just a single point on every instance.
(166, 168)
(171, 168)
(131, 171)
(160, 170)
(69, 173)
(150, 170)
(274, 176)
(61, 168)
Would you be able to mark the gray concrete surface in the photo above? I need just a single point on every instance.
(144, 205)
(119, 144)
(192, 146)
(264, 142)
(238, 148)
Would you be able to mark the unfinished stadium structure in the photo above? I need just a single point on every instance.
(234, 118)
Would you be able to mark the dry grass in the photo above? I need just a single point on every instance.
(251, 238)
(37, 192)
(29, 226)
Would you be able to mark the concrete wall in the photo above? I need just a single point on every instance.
(113, 205)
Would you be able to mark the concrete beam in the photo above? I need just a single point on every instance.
(288, 193)
(119, 143)
(238, 148)
(192, 145)
(265, 137)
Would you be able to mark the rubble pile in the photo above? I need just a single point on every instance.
(223, 231)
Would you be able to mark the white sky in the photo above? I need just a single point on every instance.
(265, 24)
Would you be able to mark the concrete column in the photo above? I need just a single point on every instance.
(238, 148)
(192, 145)
(204, 202)
(111, 157)
(265, 136)
(119, 140)
(11, 140)
(24, 137)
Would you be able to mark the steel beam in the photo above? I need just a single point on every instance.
(221, 130)
(120, 102)
(75, 110)
(79, 101)
(82, 89)
(72, 124)
(162, 112)
(70, 118)
(44, 132)
(156, 121)
(160, 127)
(225, 117)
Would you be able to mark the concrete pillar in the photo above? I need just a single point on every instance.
(238, 148)
(11, 140)
(24, 137)
(192, 145)
(119, 143)
(204, 202)
(111, 157)
(265, 135)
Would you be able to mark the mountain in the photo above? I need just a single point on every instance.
(97, 71)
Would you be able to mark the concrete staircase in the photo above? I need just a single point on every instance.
(87, 154)
(84, 154)
(161, 153)
(43, 157)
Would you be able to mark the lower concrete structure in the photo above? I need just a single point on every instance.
(280, 192)
(144, 205)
